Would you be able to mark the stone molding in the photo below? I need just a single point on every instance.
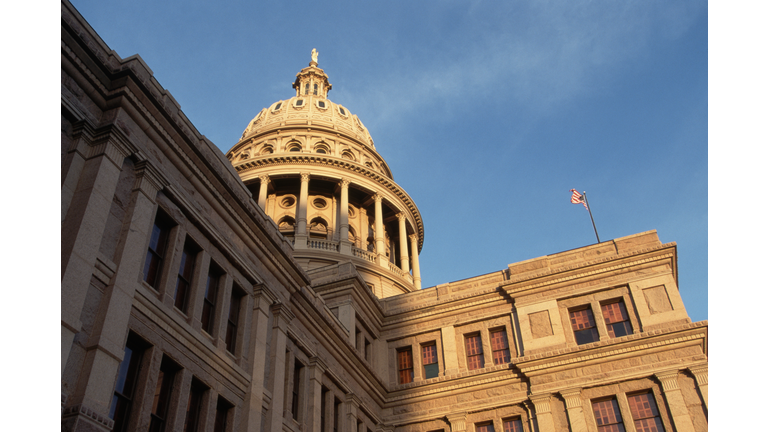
(304, 177)
(668, 380)
(264, 178)
(283, 316)
(572, 397)
(82, 410)
(700, 373)
(149, 180)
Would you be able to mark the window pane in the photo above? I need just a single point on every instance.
(582, 319)
(431, 371)
(607, 416)
(487, 427)
(645, 413)
(429, 354)
(474, 345)
(514, 425)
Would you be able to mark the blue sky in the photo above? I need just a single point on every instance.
(487, 112)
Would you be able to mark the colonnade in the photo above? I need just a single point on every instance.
(345, 246)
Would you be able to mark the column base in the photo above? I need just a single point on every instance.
(345, 247)
(300, 242)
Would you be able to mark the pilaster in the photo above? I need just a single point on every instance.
(263, 299)
(575, 409)
(458, 421)
(674, 396)
(700, 374)
(543, 412)
(316, 370)
(282, 316)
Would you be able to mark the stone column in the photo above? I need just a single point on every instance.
(543, 414)
(263, 191)
(403, 243)
(301, 217)
(104, 348)
(262, 301)
(700, 374)
(82, 228)
(575, 410)
(316, 371)
(674, 396)
(345, 246)
(353, 405)
(379, 234)
(347, 318)
(458, 421)
(450, 356)
(276, 384)
(415, 255)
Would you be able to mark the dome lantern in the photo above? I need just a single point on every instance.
(312, 81)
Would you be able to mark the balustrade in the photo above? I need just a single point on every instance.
(323, 245)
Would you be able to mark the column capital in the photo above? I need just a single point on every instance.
(149, 179)
(344, 183)
(701, 374)
(572, 397)
(401, 217)
(668, 380)
(353, 400)
(458, 421)
(304, 177)
(377, 197)
(541, 402)
(283, 316)
(317, 363)
(414, 237)
(264, 178)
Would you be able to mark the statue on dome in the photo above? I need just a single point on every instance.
(314, 55)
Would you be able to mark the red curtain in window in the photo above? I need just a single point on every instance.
(500, 346)
(514, 425)
(582, 319)
(429, 354)
(405, 366)
(608, 416)
(474, 348)
(615, 312)
(644, 413)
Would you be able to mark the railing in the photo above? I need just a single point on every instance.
(323, 245)
(360, 253)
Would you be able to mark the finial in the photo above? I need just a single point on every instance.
(314, 58)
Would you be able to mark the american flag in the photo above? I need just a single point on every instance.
(577, 198)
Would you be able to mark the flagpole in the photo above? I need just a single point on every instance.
(590, 216)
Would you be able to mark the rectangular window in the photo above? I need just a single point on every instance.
(323, 405)
(584, 327)
(162, 397)
(484, 427)
(194, 405)
(429, 360)
(607, 416)
(126, 382)
(357, 339)
(513, 425)
(405, 365)
(616, 319)
(474, 346)
(367, 350)
(500, 346)
(232, 318)
(644, 413)
(184, 280)
(336, 414)
(222, 412)
(158, 243)
(209, 300)
(296, 390)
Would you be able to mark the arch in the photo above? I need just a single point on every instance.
(322, 148)
(346, 154)
(293, 146)
(352, 236)
(315, 92)
(318, 228)
(286, 224)
(267, 149)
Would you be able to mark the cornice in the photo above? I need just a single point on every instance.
(337, 163)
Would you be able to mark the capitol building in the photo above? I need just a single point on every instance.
(277, 287)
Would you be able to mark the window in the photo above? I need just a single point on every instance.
(616, 319)
(584, 328)
(184, 280)
(607, 416)
(321, 104)
(341, 110)
(429, 360)
(125, 384)
(299, 102)
(474, 346)
(209, 301)
(357, 339)
(162, 396)
(367, 350)
(296, 390)
(336, 414)
(405, 365)
(315, 92)
(644, 413)
(194, 405)
(222, 412)
(484, 427)
(323, 397)
(513, 425)
(306, 88)
(158, 242)
(233, 317)
(500, 346)
(295, 147)
(277, 107)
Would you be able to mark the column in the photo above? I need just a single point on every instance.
(353, 405)
(543, 414)
(674, 396)
(379, 234)
(316, 371)
(403, 243)
(415, 255)
(276, 384)
(575, 410)
(458, 421)
(260, 333)
(82, 228)
(345, 246)
(301, 216)
(263, 191)
(700, 374)
(104, 348)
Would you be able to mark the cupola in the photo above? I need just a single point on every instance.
(312, 81)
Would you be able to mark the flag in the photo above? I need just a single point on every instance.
(577, 198)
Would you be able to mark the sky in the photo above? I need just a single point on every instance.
(487, 113)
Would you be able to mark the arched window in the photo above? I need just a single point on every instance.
(318, 228)
(346, 154)
(286, 225)
(315, 92)
(294, 147)
(322, 148)
(306, 89)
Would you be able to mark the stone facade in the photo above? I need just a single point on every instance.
(277, 288)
